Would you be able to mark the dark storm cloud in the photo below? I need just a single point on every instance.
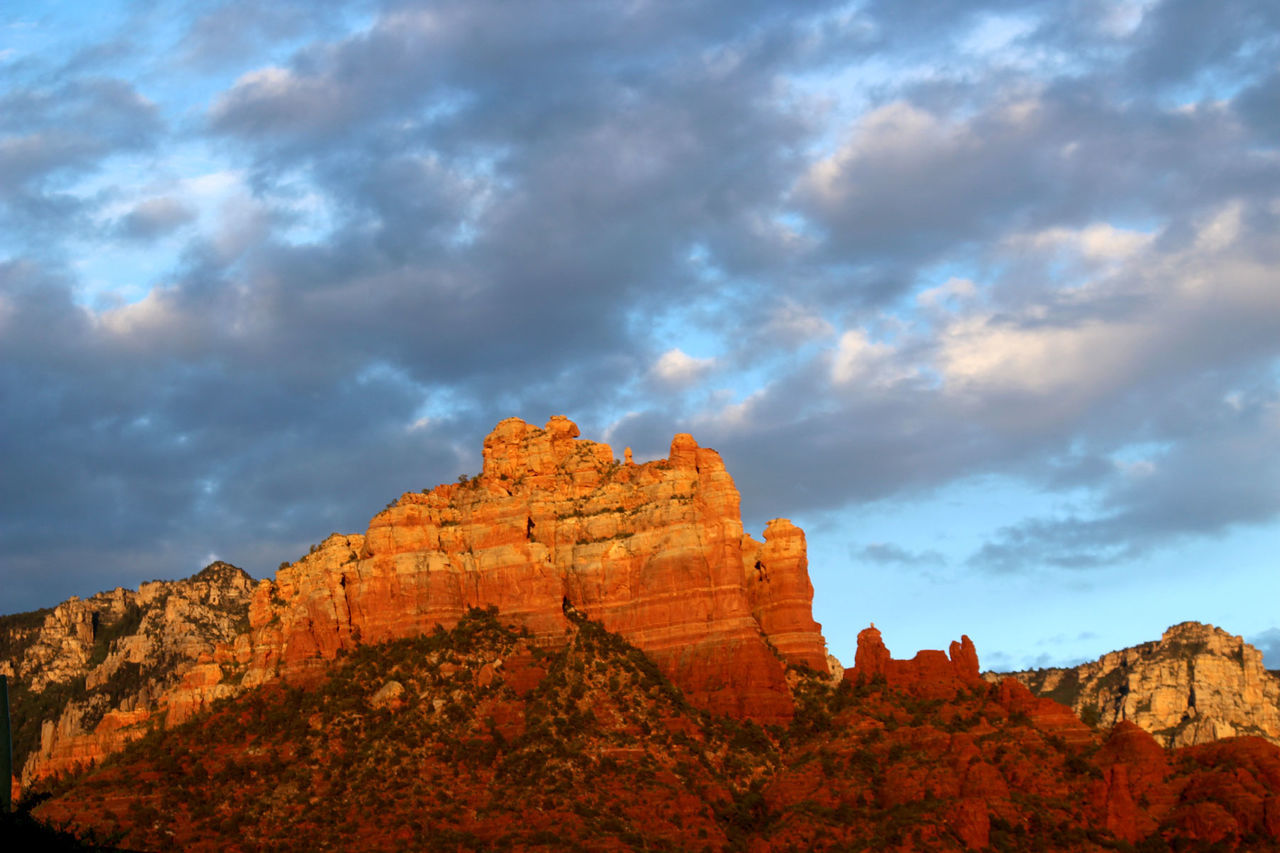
(154, 217)
(464, 211)
(1184, 41)
(225, 33)
(125, 452)
(574, 159)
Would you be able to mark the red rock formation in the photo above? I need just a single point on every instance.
(655, 552)
(870, 768)
(1046, 714)
(1135, 769)
(780, 594)
(931, 673)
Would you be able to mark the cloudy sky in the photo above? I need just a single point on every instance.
(985, 295)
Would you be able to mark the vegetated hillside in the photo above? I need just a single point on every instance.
(479, 738)
(1196, 684)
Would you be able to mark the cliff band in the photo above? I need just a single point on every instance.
(655, 552)
(553, 524)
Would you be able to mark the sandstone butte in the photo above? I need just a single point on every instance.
(655, 552)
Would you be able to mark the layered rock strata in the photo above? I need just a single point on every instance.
(1194, 685)
(654, 552)
(91, 672)
(552, 525)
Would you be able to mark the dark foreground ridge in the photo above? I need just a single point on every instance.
(482, 738)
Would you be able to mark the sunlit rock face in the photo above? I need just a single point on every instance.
(98, 669)
(553, 524)
(1196, 684)
(655, 552)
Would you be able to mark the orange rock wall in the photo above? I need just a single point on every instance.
(655, 552)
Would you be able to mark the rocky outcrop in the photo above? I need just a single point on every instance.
(781, 595)
(931, 673)
(1196, 684)
(552, 527)
(654, 552)
(86, 676)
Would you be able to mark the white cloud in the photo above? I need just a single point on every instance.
(259, 84)
(953, 289)
(735, 416)
(859, 360)
(984, 353)
(275, 98)
(151, 316)
(1222, 229)
(1142, 318)
(1099, 241)
(892, 134)
(678, 369)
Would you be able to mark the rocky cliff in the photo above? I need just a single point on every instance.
(85, 675)
(553, 526)
(1196, 684)
(654, 552)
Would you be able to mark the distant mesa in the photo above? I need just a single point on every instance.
(1194, 685)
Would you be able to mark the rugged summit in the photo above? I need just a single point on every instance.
(654, 552)
(553, 526)
(931, 671)
(1194, 685)
(85, 674)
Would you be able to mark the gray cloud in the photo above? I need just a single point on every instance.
(154, 217)
(48, 133)
(889, 554)
(1268, 642)
(1223, 39)
(225, 33)
(465, 211)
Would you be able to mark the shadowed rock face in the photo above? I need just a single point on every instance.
(654, 552)
(1194, 685)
